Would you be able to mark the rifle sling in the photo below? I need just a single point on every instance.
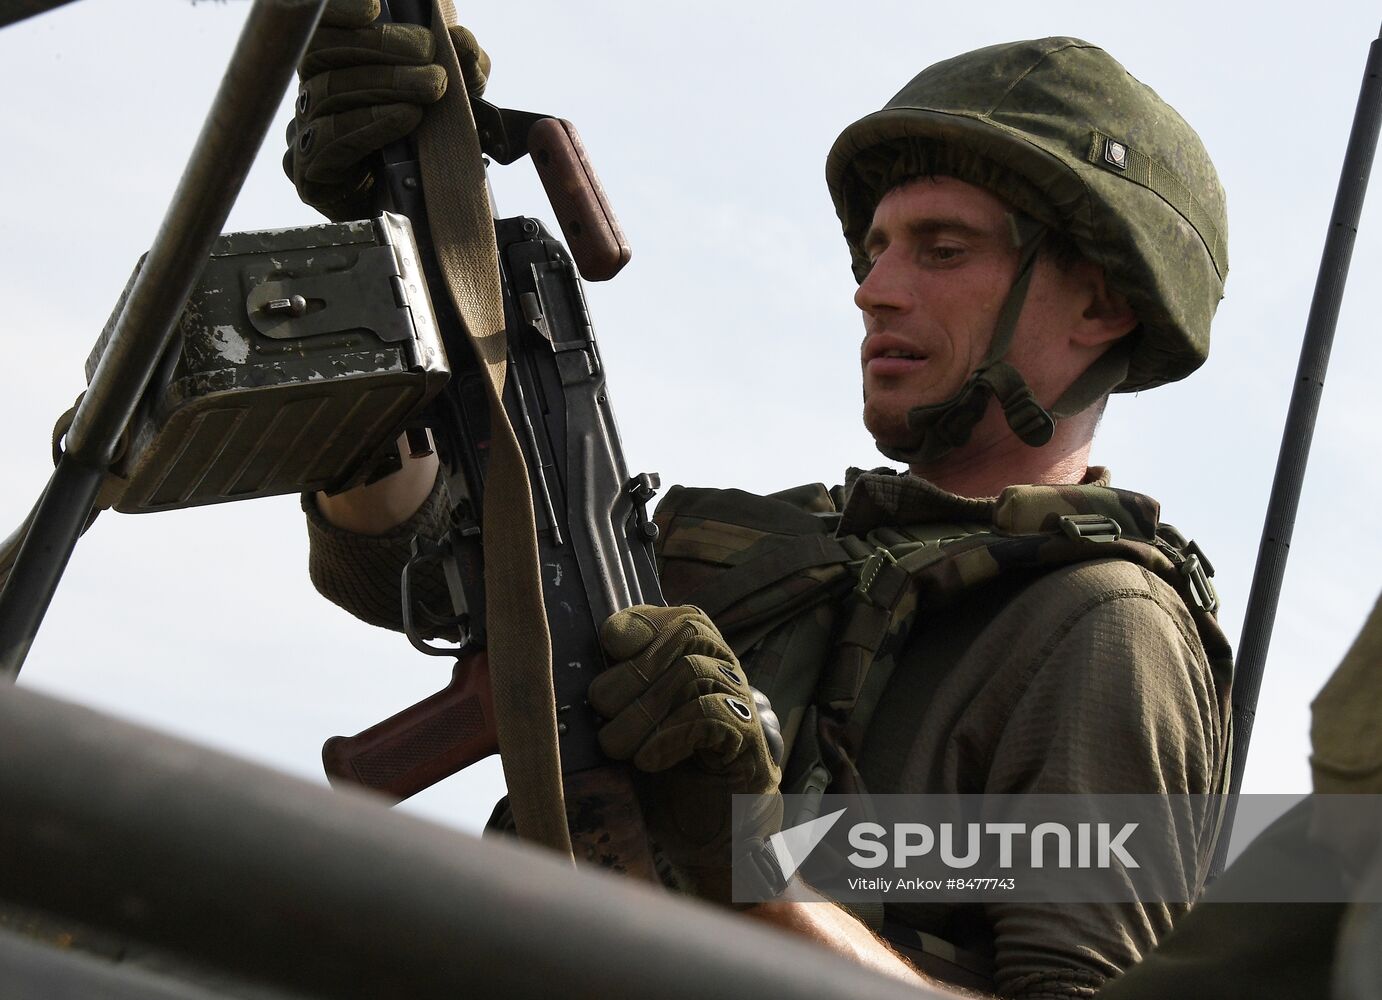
(520, 646)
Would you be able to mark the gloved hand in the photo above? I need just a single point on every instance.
(364, 85)
(680, 708)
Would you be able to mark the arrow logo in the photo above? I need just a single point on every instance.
(792, 846)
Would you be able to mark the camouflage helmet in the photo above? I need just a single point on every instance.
(1062, 132)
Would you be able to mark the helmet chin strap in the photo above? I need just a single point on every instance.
(940, 428)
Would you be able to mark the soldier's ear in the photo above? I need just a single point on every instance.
(1107, 315)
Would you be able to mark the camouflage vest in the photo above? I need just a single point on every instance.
(823, 618)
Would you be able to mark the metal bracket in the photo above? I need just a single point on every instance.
(642, 488)
(425, 551)
(503, 132)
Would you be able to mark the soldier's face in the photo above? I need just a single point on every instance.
(943, 263)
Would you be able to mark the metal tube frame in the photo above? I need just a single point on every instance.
(1300, 425)
(257, 876)
(268, 51)
(14, 11)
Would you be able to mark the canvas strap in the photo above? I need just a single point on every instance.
(520, 646)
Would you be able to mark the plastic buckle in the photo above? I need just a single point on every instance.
(1028, 419)
(1193, 549)
(873, 565)
(1091, 528)
(1197, 571)
(757, 873)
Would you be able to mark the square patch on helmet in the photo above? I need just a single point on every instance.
(1116, 154)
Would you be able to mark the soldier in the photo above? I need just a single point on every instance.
(1031, 229)
(1322, 860)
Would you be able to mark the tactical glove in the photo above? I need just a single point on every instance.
(680, 708)
(364, 85)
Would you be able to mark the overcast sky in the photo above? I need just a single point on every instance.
(730, 340)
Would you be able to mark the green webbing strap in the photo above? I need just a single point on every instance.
(1155, 176)
(1028, 244)
(520, 647)
(903, 608)
(1030, 421)
(1108, 370)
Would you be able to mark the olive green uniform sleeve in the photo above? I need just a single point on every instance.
(362, 573)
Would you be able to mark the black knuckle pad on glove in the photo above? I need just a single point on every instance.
(772, 726)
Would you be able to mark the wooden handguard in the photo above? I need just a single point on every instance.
(424, 743)
(592, 232)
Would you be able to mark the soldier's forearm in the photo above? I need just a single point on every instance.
(385, 504)
(803, 911)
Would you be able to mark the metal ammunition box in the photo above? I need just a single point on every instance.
(302, 355)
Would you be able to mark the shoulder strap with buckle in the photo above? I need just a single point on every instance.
(1035, 529)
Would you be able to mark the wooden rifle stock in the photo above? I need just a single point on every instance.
(423, 744)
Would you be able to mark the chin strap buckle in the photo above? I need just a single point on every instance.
(1029, 420)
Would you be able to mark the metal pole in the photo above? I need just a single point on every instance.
(57, 523)
(1300, 423)
(260, 69)
(9, 548)
(244, 871)
(14, 11)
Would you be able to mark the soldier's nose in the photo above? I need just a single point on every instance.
(882, 288)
